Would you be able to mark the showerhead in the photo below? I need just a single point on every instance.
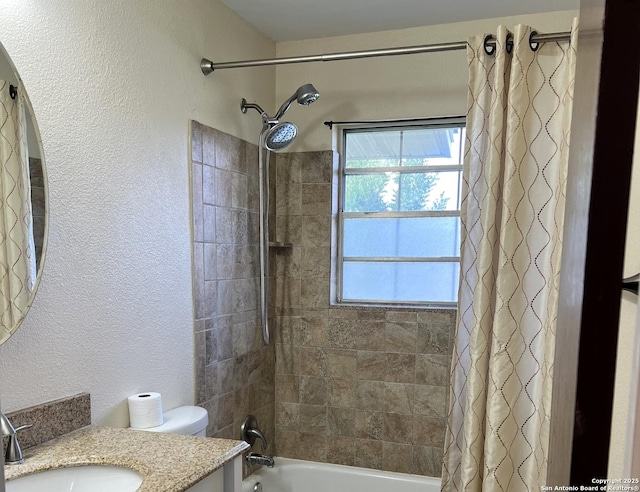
(305, 95)
(279, 136)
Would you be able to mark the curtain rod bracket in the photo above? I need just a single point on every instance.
(206, 66)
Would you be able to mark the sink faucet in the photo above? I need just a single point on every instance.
(13, 455)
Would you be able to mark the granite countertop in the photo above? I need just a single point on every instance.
(167, 462)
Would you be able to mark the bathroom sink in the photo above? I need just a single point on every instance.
(91, 478)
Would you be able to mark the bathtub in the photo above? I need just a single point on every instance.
(291, 475)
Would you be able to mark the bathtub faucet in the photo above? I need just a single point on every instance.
(249, 432)
(259, 459)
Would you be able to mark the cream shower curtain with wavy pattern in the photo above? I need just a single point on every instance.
(17, 250)
(512, 219)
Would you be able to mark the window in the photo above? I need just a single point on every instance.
(399, 213)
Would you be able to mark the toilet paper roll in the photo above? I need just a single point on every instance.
(145, 410)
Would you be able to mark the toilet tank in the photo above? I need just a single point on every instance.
(188, 420)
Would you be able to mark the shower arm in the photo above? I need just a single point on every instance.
(267, 120)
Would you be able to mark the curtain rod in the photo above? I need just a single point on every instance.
(442, 120)
(207, 66)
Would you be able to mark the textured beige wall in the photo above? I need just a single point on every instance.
(113, 86)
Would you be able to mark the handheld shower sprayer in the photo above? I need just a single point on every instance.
(273, 137)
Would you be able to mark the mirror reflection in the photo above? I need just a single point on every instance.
(22, 201)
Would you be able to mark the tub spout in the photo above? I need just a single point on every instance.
(260, 459)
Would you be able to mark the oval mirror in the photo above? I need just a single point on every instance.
(23, 201)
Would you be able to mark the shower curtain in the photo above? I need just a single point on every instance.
(518, 120)
(17, 250)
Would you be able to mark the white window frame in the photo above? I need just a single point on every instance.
(340, 131)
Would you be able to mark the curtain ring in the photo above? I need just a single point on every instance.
(13, 91)
(489, 50)
(509, 43)
(533, 44)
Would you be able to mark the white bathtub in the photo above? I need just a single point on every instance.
(291, 475)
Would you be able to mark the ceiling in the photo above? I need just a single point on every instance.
(289, 20)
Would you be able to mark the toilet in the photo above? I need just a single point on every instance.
(187, 420)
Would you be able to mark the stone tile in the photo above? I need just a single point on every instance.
(287, 443)
(399, 398)
(196, 141)
(210, 298)
(341, 450)
(316, 199)
(341, 421)
(288, 291)
(342, 363)
(239, 190)
(287, 388)
(430, 431)
(288, 415)
(314, 293)
(427, 461)
(313, 390)
(210, 262)
(287, 359)
(313, 361)
(224, 329)
(315, 263)
(401, 336)
(404, 316)
(288, 168)
(288, 200)
(400, 368)
(223, 188)
(314, 331)
(224, 226)
(369, 454)
(342, 392)
(196, 196)
(370, 335)
(369, 394)
(226, 406)
(371, 365)
(369, 424)
(432, 369)
(398, 428)
(316, 231)
(228, 153)
(211, 381)
(198, 280)
(433, 339)
(313, 418)
(397, 457)
(289, 229)
(209, 223)
(287, 330)
(208, 185)
(312, 447)
(342, 334)
(226, 370)
(211, 346)
(316, 167)
(208, 146)
(430, 401)
(288, 262)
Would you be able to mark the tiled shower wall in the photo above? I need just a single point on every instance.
(354, 385)
(234, 371)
